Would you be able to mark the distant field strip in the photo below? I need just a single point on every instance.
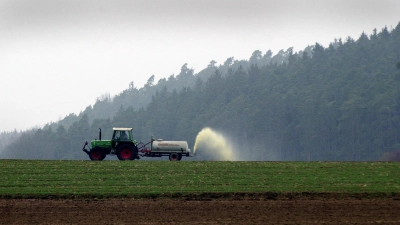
(21, 178)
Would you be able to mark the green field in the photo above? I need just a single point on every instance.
(32, 178)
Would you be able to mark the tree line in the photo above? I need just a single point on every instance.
(340, 102)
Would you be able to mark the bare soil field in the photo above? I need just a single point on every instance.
(216, 211)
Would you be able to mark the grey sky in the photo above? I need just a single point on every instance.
(57, 56)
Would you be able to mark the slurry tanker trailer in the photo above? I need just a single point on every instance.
(125, 147)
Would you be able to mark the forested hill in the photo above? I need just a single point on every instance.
(343, 103)
(107, 106)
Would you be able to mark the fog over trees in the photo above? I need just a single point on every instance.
(336, 102)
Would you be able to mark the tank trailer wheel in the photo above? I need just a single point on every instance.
(127, 152)
(96, 154)
(175, 157)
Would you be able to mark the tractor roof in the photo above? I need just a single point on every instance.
(121, 128)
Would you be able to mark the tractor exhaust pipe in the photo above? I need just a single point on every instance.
(100, 134)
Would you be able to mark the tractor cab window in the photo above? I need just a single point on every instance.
(121, 135)
(116, 135)
(124, 136)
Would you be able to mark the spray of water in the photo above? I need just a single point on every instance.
(214, 144)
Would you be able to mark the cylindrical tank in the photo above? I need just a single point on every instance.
(169, 146)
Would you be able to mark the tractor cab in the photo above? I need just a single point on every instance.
(122, 134)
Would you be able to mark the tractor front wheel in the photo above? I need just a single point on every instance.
(175, 157)
(96, 154)
(127, 152)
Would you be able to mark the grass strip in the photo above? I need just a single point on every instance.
(193, 179)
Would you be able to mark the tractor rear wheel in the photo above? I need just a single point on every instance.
(175, 157)
(127, 152)
(97, 154)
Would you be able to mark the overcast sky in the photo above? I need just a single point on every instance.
(58, 56)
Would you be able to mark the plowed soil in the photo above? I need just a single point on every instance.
(180, 211)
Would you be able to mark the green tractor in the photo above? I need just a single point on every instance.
(121, 144)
